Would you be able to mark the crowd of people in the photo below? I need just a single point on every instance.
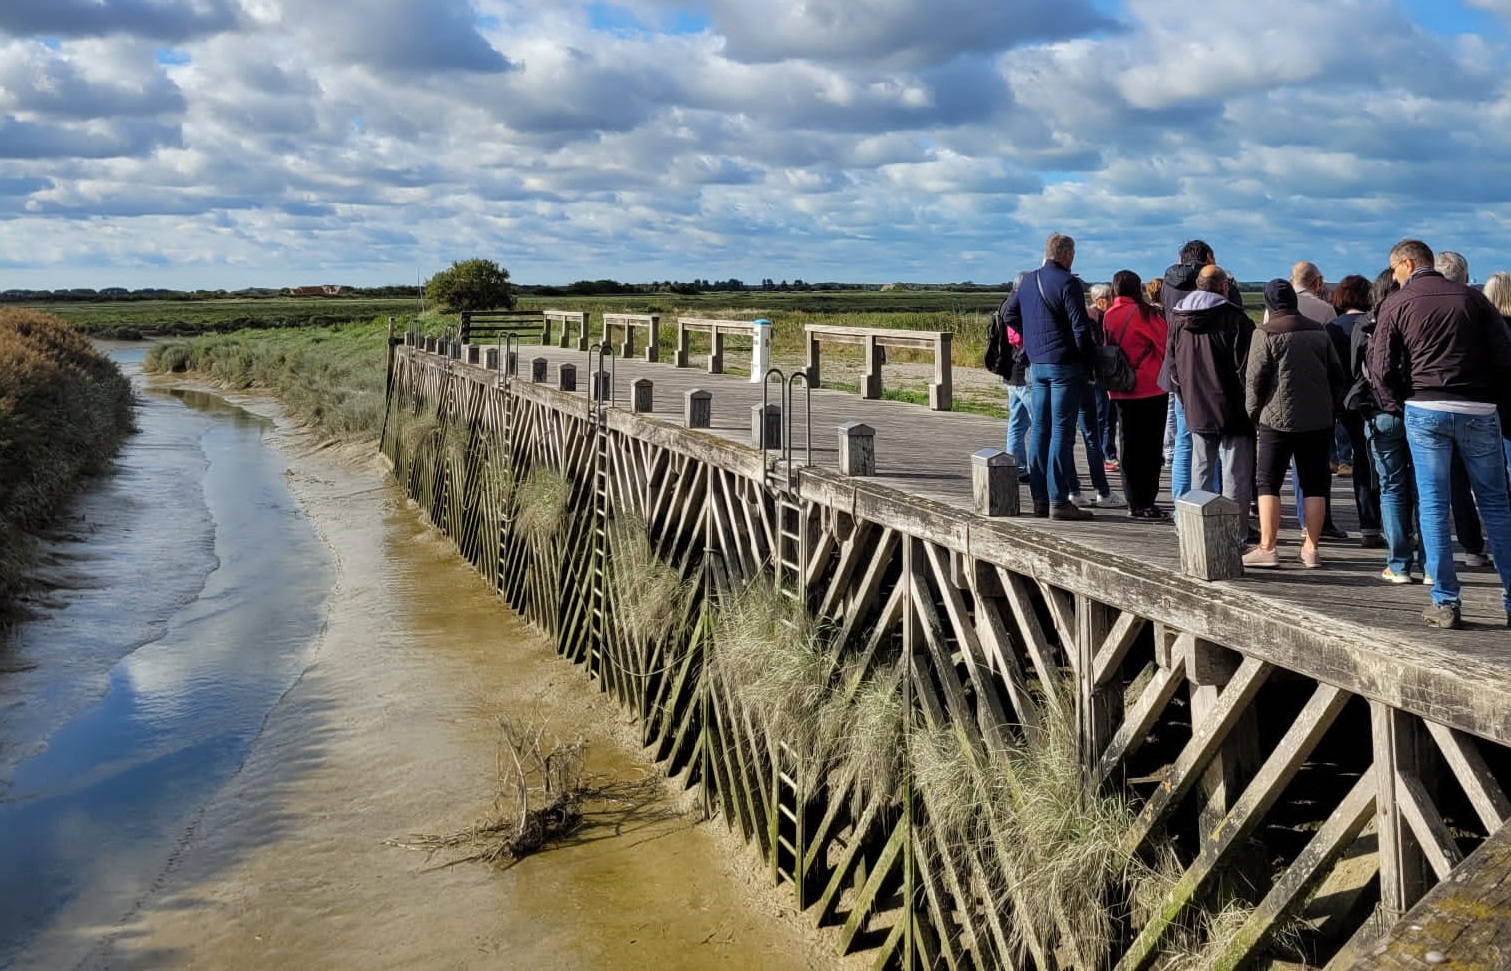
(1404, 380)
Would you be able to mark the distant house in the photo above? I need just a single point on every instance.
(328, 290)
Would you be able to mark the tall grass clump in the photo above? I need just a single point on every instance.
(331, 378)
(650, 596)
(64, 411)
(1051, 847)
(542, 500)
(775, 661)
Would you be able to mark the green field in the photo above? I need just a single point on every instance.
(132, 320)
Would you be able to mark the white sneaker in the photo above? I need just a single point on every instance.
(1475, 559)
(1112, 500)
(1080, 501)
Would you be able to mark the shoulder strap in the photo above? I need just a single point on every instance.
(1139, 311)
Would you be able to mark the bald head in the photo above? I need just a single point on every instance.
(1306, 276)
(1213, 279)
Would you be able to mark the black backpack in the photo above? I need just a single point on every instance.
(999, 353)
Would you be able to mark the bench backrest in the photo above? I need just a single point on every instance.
(479, 325)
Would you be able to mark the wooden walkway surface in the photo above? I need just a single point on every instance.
(928, 454)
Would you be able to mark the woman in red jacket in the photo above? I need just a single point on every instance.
(1140, 331)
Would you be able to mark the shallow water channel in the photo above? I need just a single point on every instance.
(253, 664)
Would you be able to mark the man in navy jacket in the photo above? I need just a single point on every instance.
(1049, 310)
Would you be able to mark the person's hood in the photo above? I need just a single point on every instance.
(1201, 309)
(1280, 297)
(1182, 276)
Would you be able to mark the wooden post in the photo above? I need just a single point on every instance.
(474, 353)
(566, 377)
(1210, 532)
(679, 357)
(857, 449)
(870, 379)
(640, 396)
(766, 426)
(627, 346)
(490, 358)
(941, 392)
(815, 358)
(994, 482)
(545, 331)
(511, 363)
(538, 369)
(1398, 748)
(716, 353)
(1209, 668)
(602, 386)
(653, 348)
(1097, 704)
(698, 408)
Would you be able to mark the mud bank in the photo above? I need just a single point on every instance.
(391, 730)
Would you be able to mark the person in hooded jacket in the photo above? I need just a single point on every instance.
(1178, 282)
(1295, 385)
(1210, 337)
(1351, 302)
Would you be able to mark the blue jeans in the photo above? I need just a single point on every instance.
(1391, 456)
(1434, 436)
(1090, 420)
(1058, 390)
(1107, 421)
(1180, 463)
(1020, 418)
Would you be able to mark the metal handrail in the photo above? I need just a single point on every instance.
(603, 349)
(506, 343)
(787, 423)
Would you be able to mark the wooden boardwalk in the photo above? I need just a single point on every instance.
(1298, 737)
(927, 454)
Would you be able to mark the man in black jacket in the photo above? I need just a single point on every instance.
(1442, 350)
(1210, 337)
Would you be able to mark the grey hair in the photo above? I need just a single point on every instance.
(1304, 275)
(1099, 291)
(1452, 265)
(1058, 246)
(1411, 249)
(1498, 292)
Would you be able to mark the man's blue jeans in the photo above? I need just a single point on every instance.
(1391, 456)
(1058, 390)
(1020, 418)
(1180, 462)
(1433, 436)
(1091, 434)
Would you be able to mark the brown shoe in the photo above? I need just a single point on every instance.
(1070, 512)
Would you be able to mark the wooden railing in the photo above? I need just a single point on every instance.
(717, 331)
(872, 340)
(627, 324)
(566, 320)
(478, 326)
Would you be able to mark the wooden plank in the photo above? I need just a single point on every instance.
(1473, 773)
(1397, 748)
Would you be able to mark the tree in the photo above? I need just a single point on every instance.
(475, 284)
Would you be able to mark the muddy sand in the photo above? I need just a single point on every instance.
(392, 730)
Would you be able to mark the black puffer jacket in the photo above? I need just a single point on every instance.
(1295, 380)
(1210, 337)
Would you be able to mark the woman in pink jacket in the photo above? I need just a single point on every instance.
(1140, 331)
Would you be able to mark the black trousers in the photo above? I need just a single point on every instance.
(1141, 443)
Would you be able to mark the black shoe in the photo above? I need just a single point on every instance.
(1329, 531)
(1252, 539)
(1023, 476)
(1372, 541)
(1444, 616)
(1041, 509)
(1069, 512)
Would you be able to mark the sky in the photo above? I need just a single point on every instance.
(239, 143)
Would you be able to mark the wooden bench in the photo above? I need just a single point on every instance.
(872, 339)
(481, 326)
(629, 323)
(717, 331)
(566, 320)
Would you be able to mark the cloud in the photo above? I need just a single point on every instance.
(169, 20)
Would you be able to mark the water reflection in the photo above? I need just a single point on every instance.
(206, 586)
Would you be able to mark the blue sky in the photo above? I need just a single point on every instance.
(232, 143)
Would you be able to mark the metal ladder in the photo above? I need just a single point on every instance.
(598, 579)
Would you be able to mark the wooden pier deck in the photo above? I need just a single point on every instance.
(1311, 711)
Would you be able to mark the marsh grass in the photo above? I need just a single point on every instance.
(330, 378)
(869, 726)
(650, 596)
(64, 411)
(542, 500)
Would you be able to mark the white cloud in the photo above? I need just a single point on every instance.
(834, 139)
